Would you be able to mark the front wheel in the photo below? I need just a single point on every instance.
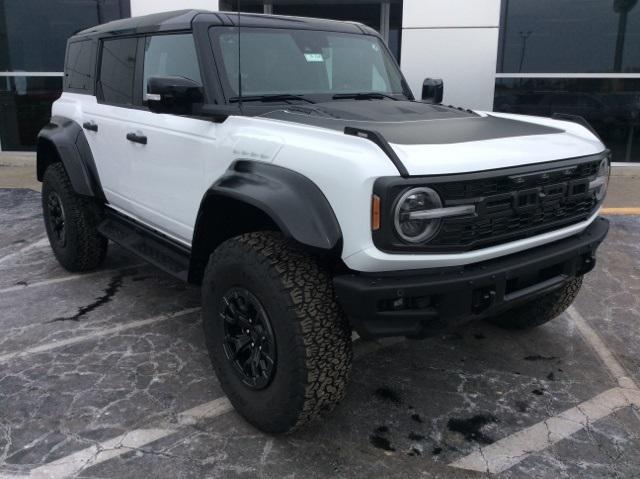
(277, 339)
(540, 310)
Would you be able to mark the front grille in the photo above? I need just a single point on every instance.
(511, 204)
(472, 189)
(515, 206)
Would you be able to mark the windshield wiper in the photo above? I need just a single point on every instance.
(274, 97)
(363, 96)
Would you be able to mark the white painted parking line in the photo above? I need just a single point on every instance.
(214, 408)
(62, 279)
(38, 244)
(93, 335)
(604, 353)
(509, 451)
(73, 464)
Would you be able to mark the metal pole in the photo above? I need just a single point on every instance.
(385, 19)
(622, 32)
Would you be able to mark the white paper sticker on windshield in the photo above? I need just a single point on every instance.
(314, 57)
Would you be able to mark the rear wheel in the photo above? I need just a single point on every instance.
(278, 341)
(540, 310)
(71, 222)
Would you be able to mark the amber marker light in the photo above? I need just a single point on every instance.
(375, 212)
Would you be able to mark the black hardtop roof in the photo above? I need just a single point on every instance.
(183, 20)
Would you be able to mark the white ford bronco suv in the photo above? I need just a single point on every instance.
(284, 165)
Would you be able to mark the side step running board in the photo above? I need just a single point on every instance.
(146, 243)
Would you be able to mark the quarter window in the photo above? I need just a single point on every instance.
(117, 68)
(170, 55)
(79, 67)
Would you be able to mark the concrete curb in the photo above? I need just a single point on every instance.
(26, 158)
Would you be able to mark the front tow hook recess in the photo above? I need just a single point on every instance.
(483, 299)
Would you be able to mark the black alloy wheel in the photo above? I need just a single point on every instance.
(249, 343)
(57, 218)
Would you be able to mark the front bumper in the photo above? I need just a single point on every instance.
(419, 303)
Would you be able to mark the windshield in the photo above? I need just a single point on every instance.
(304, 62)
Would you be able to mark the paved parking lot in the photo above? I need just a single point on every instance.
(106, 375)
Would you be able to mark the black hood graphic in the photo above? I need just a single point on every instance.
(407, 122)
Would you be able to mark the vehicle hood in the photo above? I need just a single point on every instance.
(436, 139)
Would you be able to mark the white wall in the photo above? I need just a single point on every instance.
(456, 40)
(144, 7)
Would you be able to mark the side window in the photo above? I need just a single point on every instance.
(170, 55)
(117, 69)
(78, 71)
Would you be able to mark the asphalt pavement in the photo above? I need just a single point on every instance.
(105, 375)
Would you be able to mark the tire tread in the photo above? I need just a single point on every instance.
(83, 215)
(323, 336)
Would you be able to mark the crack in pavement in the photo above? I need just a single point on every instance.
(112, 288)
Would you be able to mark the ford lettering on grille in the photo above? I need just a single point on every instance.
(511, 207)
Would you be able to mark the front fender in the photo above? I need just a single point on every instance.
(291, 200)
(63, 140)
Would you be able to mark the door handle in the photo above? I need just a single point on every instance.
(89, 125)
(137, 138)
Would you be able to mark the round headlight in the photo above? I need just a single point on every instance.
(603, 172)
(601, 182)
(410, 227)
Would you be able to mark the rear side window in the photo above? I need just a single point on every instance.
(117, 71)
(170, 55)
(79, 67)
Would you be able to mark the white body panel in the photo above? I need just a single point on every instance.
(161, 183)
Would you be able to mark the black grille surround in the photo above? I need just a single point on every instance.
(511, 204)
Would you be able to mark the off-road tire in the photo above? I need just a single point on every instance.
(540, 310)
(312, 335)
(84, 249)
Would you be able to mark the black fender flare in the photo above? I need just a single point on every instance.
(292, 201)
(65, 139)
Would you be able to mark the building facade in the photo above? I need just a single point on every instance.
(537, 57)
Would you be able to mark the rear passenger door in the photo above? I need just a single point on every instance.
(166, 174)
(104, 117)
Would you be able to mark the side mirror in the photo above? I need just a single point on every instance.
(432, 91)
(173, 94)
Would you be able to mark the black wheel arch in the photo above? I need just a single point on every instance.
(254, 196)
(62, 140)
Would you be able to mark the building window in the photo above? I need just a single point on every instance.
(33, 42)
(25, 107)
(577, 36)
(34, 33)
(580, 57)
(611, 106)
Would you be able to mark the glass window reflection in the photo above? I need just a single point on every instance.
(611, 106)
(570, 36)
(34, 33)
(25, 107)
